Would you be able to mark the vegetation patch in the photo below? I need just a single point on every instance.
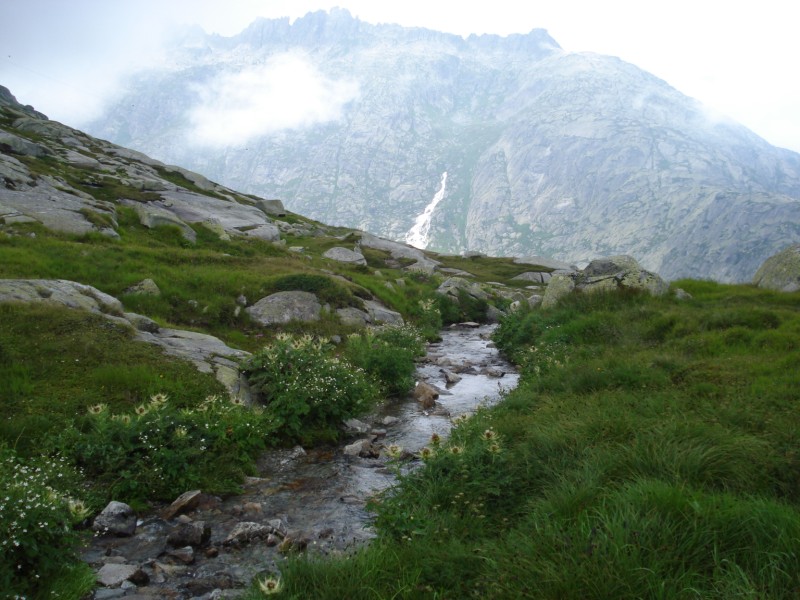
(650, 450)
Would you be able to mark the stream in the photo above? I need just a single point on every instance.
(311, 499)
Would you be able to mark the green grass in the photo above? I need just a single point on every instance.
(54, 362)
(650, 451)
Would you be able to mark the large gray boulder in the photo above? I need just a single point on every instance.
(268, 232)
(380, 314)
(344, 255)
(61, 292)
(274, 207)
(604, 274)
(780, 272)
(283, 307)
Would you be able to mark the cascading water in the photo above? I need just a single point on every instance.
(418, 235)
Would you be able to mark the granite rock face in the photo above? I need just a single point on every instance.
(551, 153)
(780, 272)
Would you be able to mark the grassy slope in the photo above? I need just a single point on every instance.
(651, 451)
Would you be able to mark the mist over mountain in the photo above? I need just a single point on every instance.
(526, 149)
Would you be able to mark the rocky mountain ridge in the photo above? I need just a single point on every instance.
(569, 155)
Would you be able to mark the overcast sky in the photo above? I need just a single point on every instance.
(739, 57)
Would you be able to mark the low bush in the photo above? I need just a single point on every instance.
(38, 510)
(387, 354)
(158, 450)
(305, 389)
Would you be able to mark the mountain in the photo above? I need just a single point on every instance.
(514, 146)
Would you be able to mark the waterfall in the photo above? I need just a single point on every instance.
(417, 236)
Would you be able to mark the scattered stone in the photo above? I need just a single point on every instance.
(186, 502)
(146, 287)
(205, 585)
(108, 593)
(681, 294)
(278, 527)
(493, 372)
(195, 534)
(356, 426)
(389, 420)
(246, 532)
(425, 394)
(184, 555)
(450, 377)
(273, 540)
(252, 507)
(112, 575)
(117, 518)
(211, 552)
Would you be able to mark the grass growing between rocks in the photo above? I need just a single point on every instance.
(650, 451)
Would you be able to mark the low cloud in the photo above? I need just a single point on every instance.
(287, 92)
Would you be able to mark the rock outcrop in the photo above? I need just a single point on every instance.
(283, 307)
(780, 272)
(344, 255)
(206, 352)
(604, 274)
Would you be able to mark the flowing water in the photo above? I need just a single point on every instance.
(320, 495)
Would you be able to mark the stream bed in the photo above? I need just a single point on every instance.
(313, 500)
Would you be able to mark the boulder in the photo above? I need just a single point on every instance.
(353, 317)
(283, 307)
(60, 291)
(117, 518)
(273, 208)
(604, 274)
(268, 232)
(146, 287)
(344, 255)
(194, 534)
(425, 394)
(378, 313)
(152, 215)
(113, 575)
(186, 502)
(780, 272)
(246, 532)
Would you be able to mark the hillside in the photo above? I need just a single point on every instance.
(546, 152)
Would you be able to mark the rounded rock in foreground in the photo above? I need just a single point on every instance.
(780, 272)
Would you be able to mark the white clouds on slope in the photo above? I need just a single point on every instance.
(287, 92)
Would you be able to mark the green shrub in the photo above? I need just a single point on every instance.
(305, 388)
(158, 448)
(36, 521)
(325, 288)
(387, 353)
